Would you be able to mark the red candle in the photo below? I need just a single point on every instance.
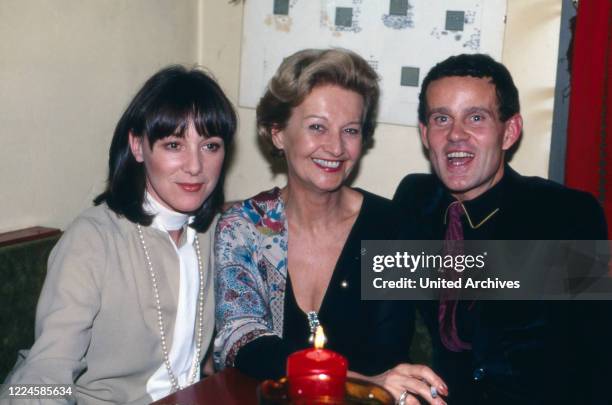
(316, 373)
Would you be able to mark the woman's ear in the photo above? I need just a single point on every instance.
(277, 136)
(136, 146)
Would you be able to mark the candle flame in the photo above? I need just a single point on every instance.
(320, 339)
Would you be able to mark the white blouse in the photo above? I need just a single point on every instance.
(183, 347)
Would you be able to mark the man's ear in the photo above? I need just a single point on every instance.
(278, 137)
(423, 134)
(136, 146)
(512, 132)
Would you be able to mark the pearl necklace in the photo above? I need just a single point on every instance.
(160, 320)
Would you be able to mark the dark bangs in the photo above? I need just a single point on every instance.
(164, 106)
(173, 109)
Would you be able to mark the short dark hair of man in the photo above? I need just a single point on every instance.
(164, 106)
(474, 65)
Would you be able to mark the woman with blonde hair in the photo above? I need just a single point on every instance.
(288, 259)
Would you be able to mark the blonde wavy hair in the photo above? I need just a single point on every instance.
(301, 72)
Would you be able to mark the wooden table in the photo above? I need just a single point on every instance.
(228, 387)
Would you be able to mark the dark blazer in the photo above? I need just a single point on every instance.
(546, 352)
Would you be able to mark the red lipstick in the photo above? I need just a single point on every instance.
(191, 187)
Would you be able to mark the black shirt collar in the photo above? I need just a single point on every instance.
(485, 206)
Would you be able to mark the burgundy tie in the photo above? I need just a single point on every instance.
(447, 311)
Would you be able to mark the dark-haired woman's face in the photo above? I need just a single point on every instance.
(181, 171)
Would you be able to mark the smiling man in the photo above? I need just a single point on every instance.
(466, 135)
(499, 352)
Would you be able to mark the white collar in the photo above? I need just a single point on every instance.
(168, 219)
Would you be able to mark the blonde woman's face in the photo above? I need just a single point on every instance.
(322, 141)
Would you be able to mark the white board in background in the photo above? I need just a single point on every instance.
(402, 40)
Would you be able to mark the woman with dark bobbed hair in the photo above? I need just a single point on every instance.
(126, 310)
(288, 259)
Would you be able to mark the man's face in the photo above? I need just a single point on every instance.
(464, 135)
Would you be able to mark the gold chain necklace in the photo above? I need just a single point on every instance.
(160, 319)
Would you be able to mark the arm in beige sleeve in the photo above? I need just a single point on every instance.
(68, 304)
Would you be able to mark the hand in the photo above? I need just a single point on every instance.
(416, 379)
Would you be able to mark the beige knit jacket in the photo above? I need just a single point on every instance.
(96, 320)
